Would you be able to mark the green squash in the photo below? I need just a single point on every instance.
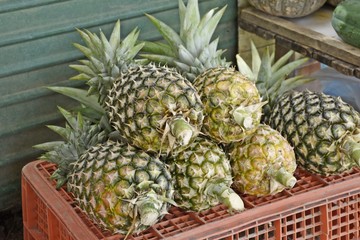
(346, 20)
(288, 8)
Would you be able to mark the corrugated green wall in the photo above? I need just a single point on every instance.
(36, 39)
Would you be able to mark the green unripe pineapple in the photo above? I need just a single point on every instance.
(155, 108)
(202, 177)
(121, 188)
(324, 130)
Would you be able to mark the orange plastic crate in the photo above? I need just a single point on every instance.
(316, 208)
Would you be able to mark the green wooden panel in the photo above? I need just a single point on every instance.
(35, 51)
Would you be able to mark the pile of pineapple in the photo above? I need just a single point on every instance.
(173, 123)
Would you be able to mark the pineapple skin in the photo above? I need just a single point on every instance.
(222, 91)
(254, 160)
(144, 101)
(194, 169)
(315, 125)
(109, 179)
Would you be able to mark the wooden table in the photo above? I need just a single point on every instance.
(312, 36)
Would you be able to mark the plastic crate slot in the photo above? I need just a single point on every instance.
(55, 230)
(354, 172)
(308, 184)
(29, 204)
(303, 224)
(253, 201)
(266, 230)
(344, 217)
(41, 220)
(258, 232)
(178, 224)
(227, 235)
(149, 234)
(213, 214)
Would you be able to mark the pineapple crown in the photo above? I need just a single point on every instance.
(192, 51)
(79, 134)
(106, 58)
(272, 77)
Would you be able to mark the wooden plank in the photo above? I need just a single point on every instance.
(307, 37)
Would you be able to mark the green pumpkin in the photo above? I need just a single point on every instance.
(346, 20)
(288, 8)
(334, 2)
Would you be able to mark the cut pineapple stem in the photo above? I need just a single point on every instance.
(244, 115)
(149, 210)
(182, 131)
(284, 178)
(352, 147)
(226, 195)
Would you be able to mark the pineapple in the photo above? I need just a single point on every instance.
(263, 163)
(153, 107)
(202, 177)
(232, 103)
(323, 130)
(122, 189)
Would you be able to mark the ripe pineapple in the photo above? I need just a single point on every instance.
(263, 163)
(231, 104)
(151, 106)
(120, 188)
(202, 177)
(195, 54)
(323, 130)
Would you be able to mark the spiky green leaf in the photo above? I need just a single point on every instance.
(169, 61)
(81, 96)
(115, 36)
(285, 70)
(48, 146)
(191, 17)
(209, 28)
(244, 68)
(61, 131)
(282, 61)
(167, 32)
(256, 60)
(158, 48)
